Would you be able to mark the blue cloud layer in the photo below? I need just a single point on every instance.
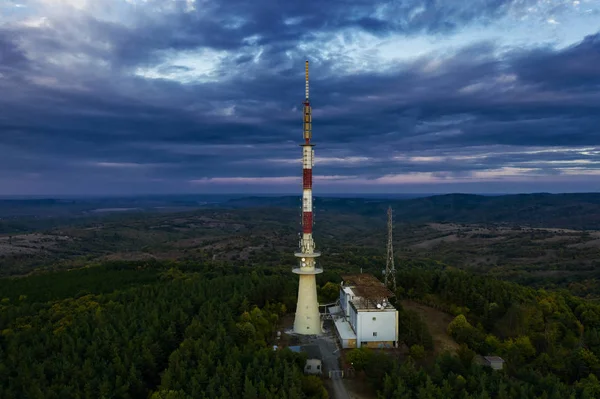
(173, 96)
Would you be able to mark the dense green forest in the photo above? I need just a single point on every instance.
(549, 340)
(116, 332)
(192, 330)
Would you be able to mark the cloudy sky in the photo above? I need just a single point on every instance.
(169, 96)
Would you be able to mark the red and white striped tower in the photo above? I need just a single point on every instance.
(308, 320)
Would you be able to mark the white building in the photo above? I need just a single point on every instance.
(313, 366)
(365, 316)
(495, 362)
(314, 363)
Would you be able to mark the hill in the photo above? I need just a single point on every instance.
(572, 211)
(576, 211)
(531, 239)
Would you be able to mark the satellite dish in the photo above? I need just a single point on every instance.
(303, 259)
(378, 306)
(384, 305)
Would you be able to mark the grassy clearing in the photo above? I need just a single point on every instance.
(437, 322)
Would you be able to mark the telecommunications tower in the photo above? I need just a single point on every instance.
(308, 320)
(390, 270)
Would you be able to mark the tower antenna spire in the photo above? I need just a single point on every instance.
(306, 69)
(307, 110)
(390, 269)
(307, 320)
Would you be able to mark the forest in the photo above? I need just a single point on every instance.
(187, 304)
(189, 332)
(549, 340)
(204, 330)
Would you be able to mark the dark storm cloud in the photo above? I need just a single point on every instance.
(11, 56)
(227, 25)
(77, 105)
(575, 68)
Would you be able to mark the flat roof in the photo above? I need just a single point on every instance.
(362, 304)
(344, 330)
(367, 286)
(312, 351)
(334, 310)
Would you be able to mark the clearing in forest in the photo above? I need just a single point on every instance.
(437, 322)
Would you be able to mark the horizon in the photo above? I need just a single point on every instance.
(129, 96)
(227, 196)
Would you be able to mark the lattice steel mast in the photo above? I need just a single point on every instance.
(390, 269)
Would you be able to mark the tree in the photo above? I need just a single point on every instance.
(359, 358)
(459, 327)
(312, 387)
(169, 394)
(330, 292)
(417, 351)
(249, 389)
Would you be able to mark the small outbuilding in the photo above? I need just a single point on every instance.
(314, 363)
(313, 366)
(495, 362)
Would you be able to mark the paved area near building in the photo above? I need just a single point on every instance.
(330, 353)
(331, 361)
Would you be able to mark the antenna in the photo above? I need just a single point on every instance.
(306, 68)
(307, 117)
(390, 269)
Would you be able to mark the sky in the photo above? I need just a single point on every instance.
(109, 97)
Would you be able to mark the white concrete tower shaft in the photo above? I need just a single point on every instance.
(308, 320)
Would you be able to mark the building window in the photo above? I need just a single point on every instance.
(374, 334)
(308, 367)
(374, 318)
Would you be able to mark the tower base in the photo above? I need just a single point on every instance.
(308, 319)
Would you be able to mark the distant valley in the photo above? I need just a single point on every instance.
(539, 239)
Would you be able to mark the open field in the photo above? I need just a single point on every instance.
(31, 243)
(437, 323)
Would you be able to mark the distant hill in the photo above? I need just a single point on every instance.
(67, 207)
(575, 211)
